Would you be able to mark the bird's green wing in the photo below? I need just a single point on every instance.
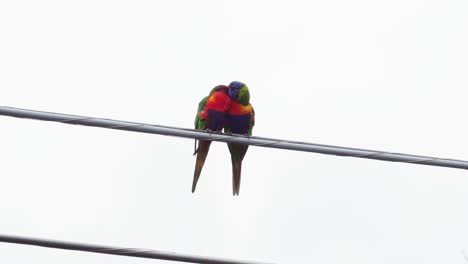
(200, 123)
(252, 122)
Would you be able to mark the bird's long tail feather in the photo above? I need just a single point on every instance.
(237, 155)
(236, 176)
(202, 152)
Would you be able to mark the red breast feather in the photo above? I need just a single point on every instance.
(240, 109)
(218, 101)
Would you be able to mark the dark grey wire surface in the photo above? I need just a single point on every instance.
(254, 141)
(128, 252)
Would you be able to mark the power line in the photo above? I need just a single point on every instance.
(254, 141)
(128, 252)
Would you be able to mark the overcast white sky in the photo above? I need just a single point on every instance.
(385, 75)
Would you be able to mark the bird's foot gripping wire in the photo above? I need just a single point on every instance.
(211, 131)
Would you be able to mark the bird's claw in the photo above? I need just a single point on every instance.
(210, 131)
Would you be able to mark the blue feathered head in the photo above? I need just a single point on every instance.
(239, 92)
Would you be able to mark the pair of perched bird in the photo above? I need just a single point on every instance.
(228, 108)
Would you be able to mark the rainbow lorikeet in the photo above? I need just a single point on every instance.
(211, 116)
(240, 120)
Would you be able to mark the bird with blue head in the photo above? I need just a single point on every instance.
(240, 120)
